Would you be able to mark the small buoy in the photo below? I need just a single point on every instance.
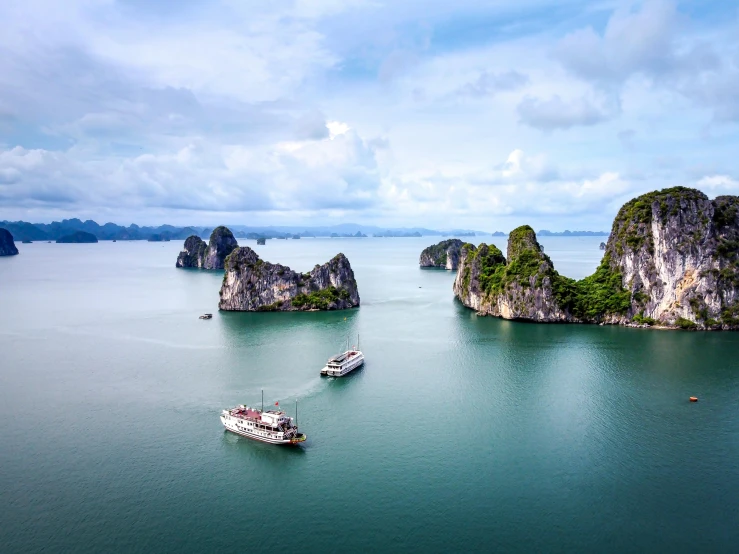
(694, 399)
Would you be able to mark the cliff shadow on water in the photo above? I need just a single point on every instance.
(289, 328)
(672, 260)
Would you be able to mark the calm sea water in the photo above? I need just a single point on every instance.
(460, 434)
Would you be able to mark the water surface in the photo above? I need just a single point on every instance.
(461, 433)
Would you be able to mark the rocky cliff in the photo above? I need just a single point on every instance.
(444, 255)
(208, 256)
(251, 284)
(672, 259)
(678, 254)
(518, 286)
(7, 245)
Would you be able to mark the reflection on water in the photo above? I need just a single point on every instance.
(459, 433)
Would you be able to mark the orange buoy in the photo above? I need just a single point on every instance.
(694, 399)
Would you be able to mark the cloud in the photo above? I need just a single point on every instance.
(312, 175)
(652, 42)
(555, 113)
(523, 187)
(489, 83)
(322, 108)
(715, 185)
(632, 41)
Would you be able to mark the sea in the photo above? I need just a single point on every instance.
(460, 434)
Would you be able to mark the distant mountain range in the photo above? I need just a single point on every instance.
(24, 231)
(545, 233)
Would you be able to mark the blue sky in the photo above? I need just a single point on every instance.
(470, 114)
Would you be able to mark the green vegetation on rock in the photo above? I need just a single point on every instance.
(641, 319)
(591, 298)
(685, 323)
(320, 300)
(632, 224)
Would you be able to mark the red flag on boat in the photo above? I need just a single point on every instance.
(277, 403)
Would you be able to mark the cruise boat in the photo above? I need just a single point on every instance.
(272, 426)
(340, 365)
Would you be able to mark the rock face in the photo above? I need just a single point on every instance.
(251, 284)
(78, 237)
(213, 255)
(444, 255)
(7, 245)
(520, 287)
(672, 259)
(678, 254)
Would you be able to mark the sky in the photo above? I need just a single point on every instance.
(466, 114)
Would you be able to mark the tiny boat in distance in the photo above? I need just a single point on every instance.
(206, 316)
(345, 363)
(272, 426)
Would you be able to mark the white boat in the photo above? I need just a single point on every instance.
(344, 363)
(271, 426)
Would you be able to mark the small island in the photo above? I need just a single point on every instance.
(261, 241)
(602, 246)
(671, 260)
(253, 285)
(78, 237)
(7, 245)
(444, 255)
(198, 254)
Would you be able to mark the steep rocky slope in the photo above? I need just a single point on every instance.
(672, 259)
(519, 287)
(678, 254)
(251, 284)
(444, 254)
(7, 245)
(208, 256)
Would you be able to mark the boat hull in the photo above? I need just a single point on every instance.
(269, 440)
(351, 366)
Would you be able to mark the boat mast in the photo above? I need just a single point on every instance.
(296, 412)
(262, 399)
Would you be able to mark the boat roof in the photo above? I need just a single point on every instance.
(343, 357)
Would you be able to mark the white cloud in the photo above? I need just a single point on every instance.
(718, 184)
(488, 83)
(388, 112)
(556, 113)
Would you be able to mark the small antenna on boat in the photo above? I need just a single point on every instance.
(262, 399)
(296, 412)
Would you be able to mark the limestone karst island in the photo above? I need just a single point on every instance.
(7, 245)
(198, 254)
(444, 255)
(672, 259)
(253, 285)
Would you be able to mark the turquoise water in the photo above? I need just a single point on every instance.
(461, 433)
